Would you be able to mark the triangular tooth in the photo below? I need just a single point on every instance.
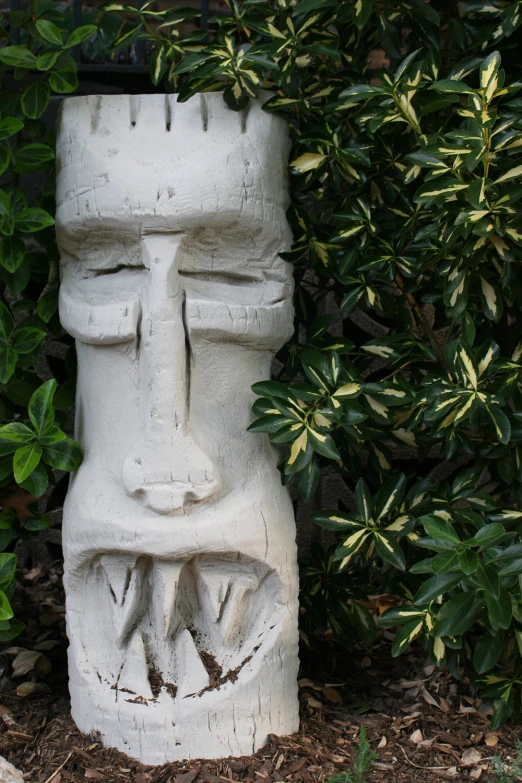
(237, 609)
(118, 568)
(164, 589)
(125, 578)
(134, 676)
(214, 587)
(192, 675)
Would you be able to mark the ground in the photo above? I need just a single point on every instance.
(422, 724)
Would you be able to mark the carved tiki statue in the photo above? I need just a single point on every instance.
(180, 559)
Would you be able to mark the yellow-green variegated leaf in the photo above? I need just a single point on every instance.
(352, 545)
(516, 171)
(298, 446)
(492, 301)
(348, 390)
(308, 162)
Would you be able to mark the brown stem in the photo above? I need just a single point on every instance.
(426, 328)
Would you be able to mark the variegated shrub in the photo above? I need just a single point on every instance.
(406, 179)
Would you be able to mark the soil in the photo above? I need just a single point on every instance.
(422, 724)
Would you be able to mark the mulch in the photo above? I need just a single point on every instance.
(423, 725)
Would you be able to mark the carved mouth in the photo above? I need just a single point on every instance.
(177, 629)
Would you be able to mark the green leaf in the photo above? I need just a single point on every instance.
(335, 520)
(64, 80)
(500, 423)
(500, 609)
(487, 535)
(5, 158)
(389, 495)
(488, 579)
(25, 461)
(35, 99)
(5, 608)
(438, 188)
(438, 528)
(27, 339)
(128, 36)
(159, 63)
(362, 11)
(399, 616)
(452, 86)
(40, 407)
(502, 708)
(80, 35)
(323, 444)
(33, 219)
(363, 500)
(9, 126)
(487, 652)
(7, 569)
(47, 60)
(406, 635)
(436, 586)
(48, 305)
(389, 550)
(15, 629)
(361, 92)
(304, 6)
(468, 561)
(8, 361)
(65, 455)
(18, 56)
(14, 434)
(458, 615)
(512, 173)
(32, 158)
(6, 323)
(36, 484)
(49, 32)
(12, 253)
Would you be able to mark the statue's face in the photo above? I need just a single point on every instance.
(179, 538)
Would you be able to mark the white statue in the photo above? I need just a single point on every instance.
(179, 540)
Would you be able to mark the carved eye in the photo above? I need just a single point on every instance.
(103, 309)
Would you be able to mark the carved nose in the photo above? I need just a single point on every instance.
(167, 468)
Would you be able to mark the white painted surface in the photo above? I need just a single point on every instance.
(179, 538)
(8, 773)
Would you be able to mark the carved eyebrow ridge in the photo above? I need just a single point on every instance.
(113, 270)
(233, 278)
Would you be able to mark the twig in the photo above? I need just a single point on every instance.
(56, 771)
(413, 763)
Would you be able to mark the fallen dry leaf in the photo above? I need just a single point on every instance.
(24, 663)
(471, 757)
(382, 743)
(93, 774)
(33, 574)
(332, 695)
(31, 689)
(491, 739)
(416, 737)
(316, 705)
(475, 773)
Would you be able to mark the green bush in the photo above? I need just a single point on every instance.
(32, 443)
